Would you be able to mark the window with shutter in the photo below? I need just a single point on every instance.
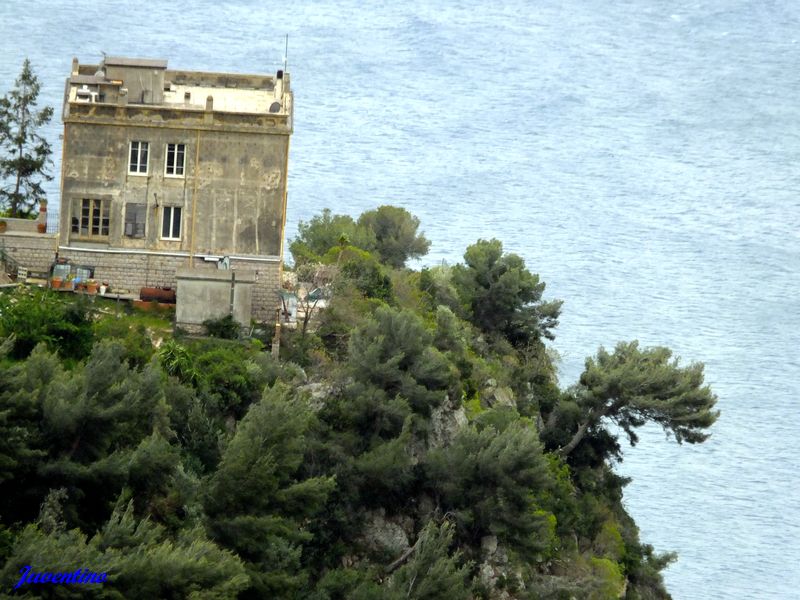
(135, 215)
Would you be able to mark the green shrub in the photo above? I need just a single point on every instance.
(133, 336)
(39, 316)
(226, 328)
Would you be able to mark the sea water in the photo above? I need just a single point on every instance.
(642, 156)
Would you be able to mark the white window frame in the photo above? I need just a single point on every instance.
(171, 211)
(139, 157)
(175, 164)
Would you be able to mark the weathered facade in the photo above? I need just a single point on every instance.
(164, 169)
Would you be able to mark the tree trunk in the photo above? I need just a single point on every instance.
(576, 439)
(591, 419)
(15, 201)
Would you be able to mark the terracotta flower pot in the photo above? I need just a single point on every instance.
(55, 283)
(91, 288)
(3, 226)
(41, 227)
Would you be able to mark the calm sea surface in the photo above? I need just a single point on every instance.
(642, 156)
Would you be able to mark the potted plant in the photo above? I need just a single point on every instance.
(103, 288)
(41, 227)
(91, 286)
(69, 282)
(3, 226)
(55, 283)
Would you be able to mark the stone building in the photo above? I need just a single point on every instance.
(165, 169)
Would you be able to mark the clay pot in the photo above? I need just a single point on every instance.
(55, 283)
(91, 288)
(41, 227)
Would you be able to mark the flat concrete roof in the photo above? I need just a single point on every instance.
(91, 79)
(148, 63)
(188, 90)
(225, 99)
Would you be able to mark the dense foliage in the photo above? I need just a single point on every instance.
(390, 232)
(413, 442)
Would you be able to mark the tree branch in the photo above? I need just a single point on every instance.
(590, 420)
(576, 439)
(403, 558)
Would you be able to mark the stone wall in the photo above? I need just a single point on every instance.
(31, 250)
(127, 271)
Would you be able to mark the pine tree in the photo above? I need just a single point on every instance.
(257, 503)
(432, 572)
(633, 386)
(141, 559)
(394, 351)
(488, 480)
(396, 237)
(501, 296)
(24, 153)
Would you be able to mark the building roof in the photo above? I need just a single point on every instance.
(122, 61)
(144, 81)
(90, 80)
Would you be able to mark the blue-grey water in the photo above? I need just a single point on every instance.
(643, 156)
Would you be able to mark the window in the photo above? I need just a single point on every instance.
(135, 215)
(171, 223)
(176, 154)
(137, 164)
(92, 218)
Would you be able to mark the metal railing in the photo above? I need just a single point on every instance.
(52, 221)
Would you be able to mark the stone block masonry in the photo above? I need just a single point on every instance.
(33, 251)
(132, 271)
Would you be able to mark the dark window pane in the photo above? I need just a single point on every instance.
(179, 160)
(165, 223)
(143, 158)
(85, 206)
(176, 222)
(104, 204)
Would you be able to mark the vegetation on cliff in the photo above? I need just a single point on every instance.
(412, 442)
